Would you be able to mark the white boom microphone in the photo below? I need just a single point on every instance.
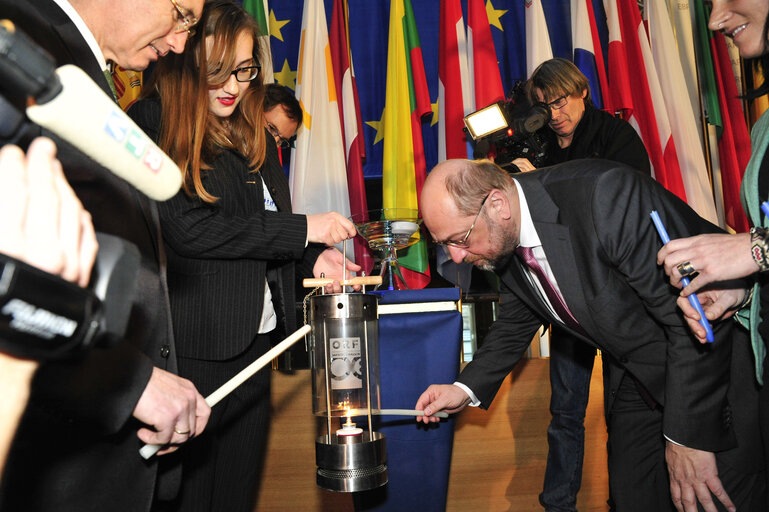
(83, 115)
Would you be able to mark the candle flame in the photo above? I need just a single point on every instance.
(346, 407)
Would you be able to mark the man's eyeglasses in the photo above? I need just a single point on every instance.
(186, 19)
(558, 103)
(282, 141)
(462, 244)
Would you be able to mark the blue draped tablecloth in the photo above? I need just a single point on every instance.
(415, 350)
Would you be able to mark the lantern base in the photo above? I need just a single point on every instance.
(346, 465)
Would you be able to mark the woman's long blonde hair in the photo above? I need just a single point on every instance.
(189, 132)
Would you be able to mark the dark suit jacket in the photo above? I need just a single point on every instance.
(220, 253)
(77, 448)
(592, 217)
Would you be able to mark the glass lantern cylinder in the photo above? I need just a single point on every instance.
(345, 384)
(345, 354)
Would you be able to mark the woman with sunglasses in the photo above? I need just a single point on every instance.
(234, 248)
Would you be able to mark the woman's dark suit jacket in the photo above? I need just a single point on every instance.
(219, 254)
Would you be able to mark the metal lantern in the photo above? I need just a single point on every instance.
(345, 364)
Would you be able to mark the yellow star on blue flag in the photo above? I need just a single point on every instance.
(285, 76)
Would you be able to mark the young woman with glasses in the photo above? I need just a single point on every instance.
(233, 246)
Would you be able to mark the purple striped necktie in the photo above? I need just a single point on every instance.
(560, 307)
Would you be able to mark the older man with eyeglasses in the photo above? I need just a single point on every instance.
(574, 246)
(77, 447)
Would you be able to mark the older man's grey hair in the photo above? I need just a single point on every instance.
(473, 181)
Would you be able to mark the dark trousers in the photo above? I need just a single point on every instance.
(638, 476)
(221, 468)
(571, 365)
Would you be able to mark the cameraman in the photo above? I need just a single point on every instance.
(576, 130)
(44, 225)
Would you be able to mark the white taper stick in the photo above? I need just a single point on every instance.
(395, 412)
(148, 450)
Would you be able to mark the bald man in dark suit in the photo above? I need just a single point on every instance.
(682, 428)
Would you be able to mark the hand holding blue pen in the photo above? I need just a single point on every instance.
(693, 300)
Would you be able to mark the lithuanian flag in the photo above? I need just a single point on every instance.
(406, 101)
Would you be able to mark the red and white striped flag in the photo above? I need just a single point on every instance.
(486, 85)
(454, 99)
(352, 126)
(619, 74)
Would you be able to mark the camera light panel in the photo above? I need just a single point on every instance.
(486, 121)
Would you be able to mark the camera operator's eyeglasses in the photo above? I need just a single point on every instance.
(558, 103)
(462, 244)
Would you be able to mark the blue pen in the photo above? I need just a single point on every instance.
(765, 208)
(693, 300)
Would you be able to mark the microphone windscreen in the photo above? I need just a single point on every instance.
(83, 115)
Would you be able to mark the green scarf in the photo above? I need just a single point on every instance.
(750, 316)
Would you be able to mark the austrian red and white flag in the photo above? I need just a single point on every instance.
(486, 83)
(454, 90)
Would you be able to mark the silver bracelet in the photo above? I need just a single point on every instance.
(746, 300)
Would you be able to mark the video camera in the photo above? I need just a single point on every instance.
(44, 317)
(508, 130)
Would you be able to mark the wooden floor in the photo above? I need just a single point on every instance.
(499, 456)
